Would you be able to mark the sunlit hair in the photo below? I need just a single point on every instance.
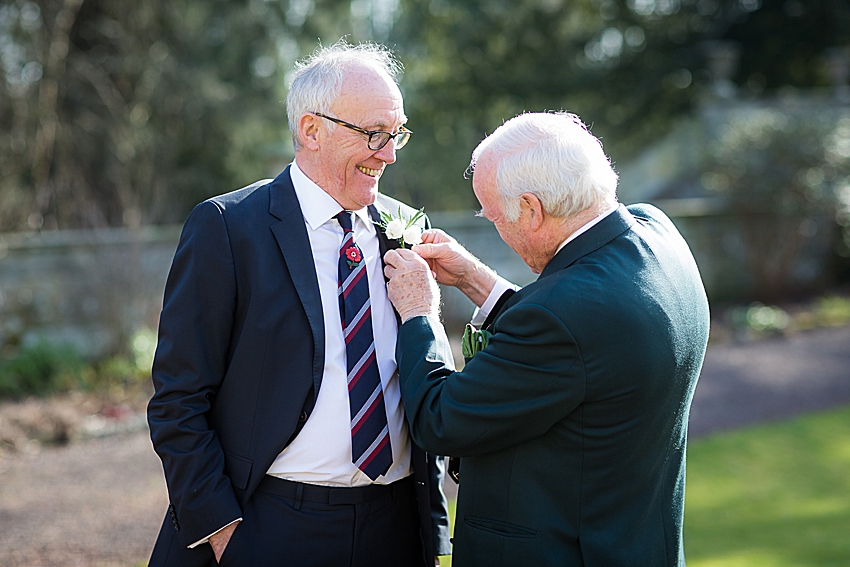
(551, 155)
(317, 79)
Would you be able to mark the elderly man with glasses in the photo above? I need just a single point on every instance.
(277, 412)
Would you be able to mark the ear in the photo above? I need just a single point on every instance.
(308, 131)
(531, 206)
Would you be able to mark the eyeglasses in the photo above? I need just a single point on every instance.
(377, 138)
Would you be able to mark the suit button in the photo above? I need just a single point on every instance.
(303, 417)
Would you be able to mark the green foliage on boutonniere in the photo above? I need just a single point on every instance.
(402, 229)
(474, 341)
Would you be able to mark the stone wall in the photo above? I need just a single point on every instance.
(94, 289)
(90, 289)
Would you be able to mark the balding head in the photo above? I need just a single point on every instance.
(319, 78)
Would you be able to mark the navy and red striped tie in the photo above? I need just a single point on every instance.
(370, 440)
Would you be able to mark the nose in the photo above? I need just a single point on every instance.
(387, 153)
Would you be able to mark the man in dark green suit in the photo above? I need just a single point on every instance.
(571, 424)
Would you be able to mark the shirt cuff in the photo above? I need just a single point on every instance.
(481, 313)
(206, 539)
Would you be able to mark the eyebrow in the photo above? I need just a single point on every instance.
(382, 126)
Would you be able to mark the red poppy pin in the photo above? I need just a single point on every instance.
(353, 256)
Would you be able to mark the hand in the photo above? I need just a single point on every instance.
(411, 288)
(453, 265)
(220, 539)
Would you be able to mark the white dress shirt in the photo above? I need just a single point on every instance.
(321, 452)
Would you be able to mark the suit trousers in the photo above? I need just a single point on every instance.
(299, 525)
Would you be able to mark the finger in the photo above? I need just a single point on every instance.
(405, 254)
(412, 261)
(425, 250)
(392, 258)
(430, 235)
(441, 250)
(435, 236)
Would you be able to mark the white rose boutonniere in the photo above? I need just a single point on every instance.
(402, 229)
(412, 235)
(395, 229)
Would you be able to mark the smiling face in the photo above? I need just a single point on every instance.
(345, 167)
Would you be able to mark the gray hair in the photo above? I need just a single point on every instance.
(317, 79)
(553, 156)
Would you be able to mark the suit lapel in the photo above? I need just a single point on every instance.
(384, 243)
(291, 235)
(598, 236)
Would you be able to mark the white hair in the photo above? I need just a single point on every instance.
(317, 79)
(553, 156)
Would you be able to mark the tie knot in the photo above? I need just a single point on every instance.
(345, 218)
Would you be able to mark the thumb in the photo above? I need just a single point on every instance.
(430, 250)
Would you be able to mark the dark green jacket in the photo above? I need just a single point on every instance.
(571, 425)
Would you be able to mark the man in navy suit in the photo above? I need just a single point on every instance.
(571, 422)
(251, 415)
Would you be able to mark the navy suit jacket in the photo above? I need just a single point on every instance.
(571, 424)
(239, 364)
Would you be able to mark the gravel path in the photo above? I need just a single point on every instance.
(97, 503)
(772, 379)
(100, 502)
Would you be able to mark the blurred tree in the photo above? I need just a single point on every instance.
(124, 113)
(785, 171)
(629, 68)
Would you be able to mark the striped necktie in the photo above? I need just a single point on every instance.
(370, 440)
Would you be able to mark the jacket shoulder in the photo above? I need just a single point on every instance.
(651, 213)
(390, 205)
(229, 205)
(239, 195)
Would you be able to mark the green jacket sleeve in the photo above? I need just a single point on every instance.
(529, 377)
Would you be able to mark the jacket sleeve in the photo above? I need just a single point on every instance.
(440, 532)
(189, 366)
(528, 378)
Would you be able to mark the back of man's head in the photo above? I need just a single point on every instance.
(318, 78)
(553, 156)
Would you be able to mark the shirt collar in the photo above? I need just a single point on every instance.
(317, 206)
(587, 226)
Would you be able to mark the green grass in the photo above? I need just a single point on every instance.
(774, 495)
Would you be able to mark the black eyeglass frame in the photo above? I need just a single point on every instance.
(401, 137)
